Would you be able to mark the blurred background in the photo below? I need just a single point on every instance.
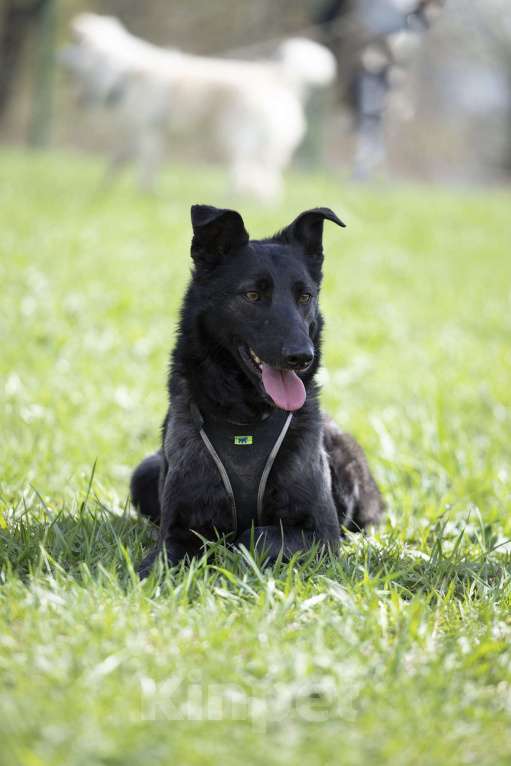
(423, 89)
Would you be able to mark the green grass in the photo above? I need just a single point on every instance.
(397, 652)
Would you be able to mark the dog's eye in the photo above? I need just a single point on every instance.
(304, 298)
(252, 296)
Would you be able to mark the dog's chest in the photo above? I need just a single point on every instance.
(247, 453)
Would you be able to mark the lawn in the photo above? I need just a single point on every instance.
(396, 653)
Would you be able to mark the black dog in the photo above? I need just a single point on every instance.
(246, 451)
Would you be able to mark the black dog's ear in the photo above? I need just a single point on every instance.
(216, 232)
(307, 231)
(307, 228)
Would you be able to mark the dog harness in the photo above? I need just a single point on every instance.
(244, 456)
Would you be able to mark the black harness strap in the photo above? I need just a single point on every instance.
(249, 459)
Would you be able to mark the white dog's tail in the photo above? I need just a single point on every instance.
(306, 63)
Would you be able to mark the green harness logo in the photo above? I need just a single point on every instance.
(243, 440)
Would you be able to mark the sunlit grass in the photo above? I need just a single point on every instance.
(397, 652)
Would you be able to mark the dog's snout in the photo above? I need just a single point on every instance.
(298, 358)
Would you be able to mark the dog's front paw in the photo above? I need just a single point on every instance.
(147, 563)
(275, 542)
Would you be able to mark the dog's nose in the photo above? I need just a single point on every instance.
(298, 358)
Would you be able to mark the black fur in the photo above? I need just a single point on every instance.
(320, 481)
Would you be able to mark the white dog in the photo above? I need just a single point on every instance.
(253, 111)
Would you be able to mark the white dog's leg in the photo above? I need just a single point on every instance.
(150, 155)
(145, 109)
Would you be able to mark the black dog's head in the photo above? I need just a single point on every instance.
(260, 297)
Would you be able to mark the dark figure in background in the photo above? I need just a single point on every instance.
(374, 41)
(17, 19)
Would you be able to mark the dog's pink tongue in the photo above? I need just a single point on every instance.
(284, 386)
